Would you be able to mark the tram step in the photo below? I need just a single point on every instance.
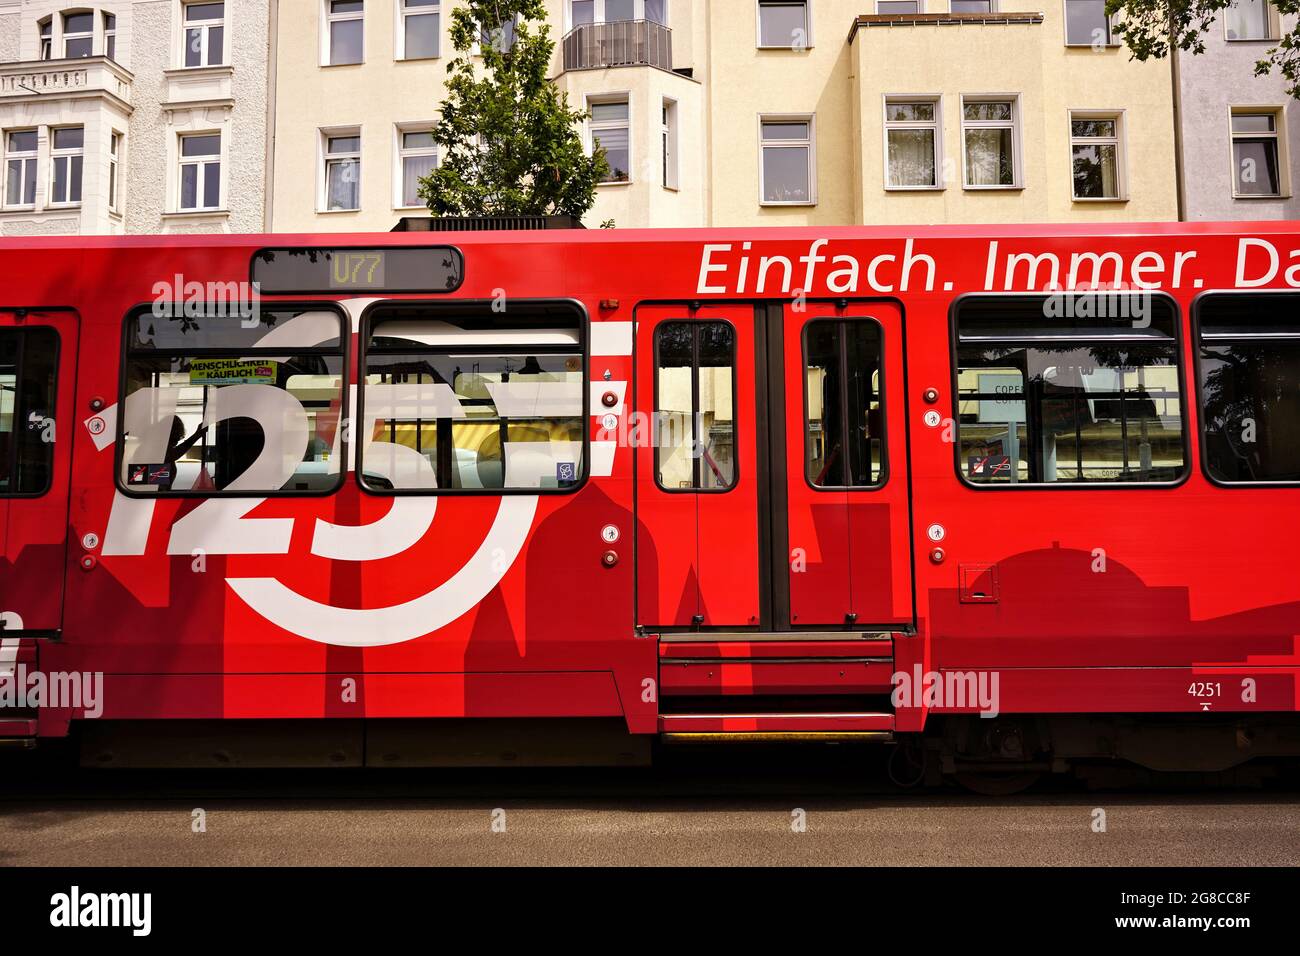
(723, 728)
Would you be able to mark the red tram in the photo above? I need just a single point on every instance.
(435, 498)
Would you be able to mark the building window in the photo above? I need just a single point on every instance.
(29, 363)
(421, 24)
(970, 6)
(20, 168)
(1093, 400)
(417, 155)
(844, 444)
(345, 21)
(1248, 365)
(342, 170)
(668, 142)
(584, 12)
(912, 144)
(205, 34)
(899, 6)
(784, 24)
(200, 174)
(1097, 156)
(78, 34)
(44, 27)
(114, 161)
(1250, 20)
(695, 401)
(1086, 23)
(67, 152)
(110, 36)
(786, 169)
(472, 404)
(226, 410)
(610, 131)
(1257, 169)
(989, 143)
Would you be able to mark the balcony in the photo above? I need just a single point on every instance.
(594, 46)
(36, 80)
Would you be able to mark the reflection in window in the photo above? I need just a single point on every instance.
(783, 23)
(1249, 369)
(1044, 398)
(844, 431)
(695, 422)
(212, 406)
(28, 362)
(465, 404)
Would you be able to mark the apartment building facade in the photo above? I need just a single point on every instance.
(133, 116)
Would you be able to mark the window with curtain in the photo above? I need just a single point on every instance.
(989, 141)
(418, 155)
(343, 170)
(1096, 158)
(1255, 151)
(912, 143)
(1249, 20)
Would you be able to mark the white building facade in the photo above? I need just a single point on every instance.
(133, 117)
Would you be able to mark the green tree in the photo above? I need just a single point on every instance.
(507, 138)
(1150, 28)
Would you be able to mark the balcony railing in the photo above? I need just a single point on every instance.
(593, 46)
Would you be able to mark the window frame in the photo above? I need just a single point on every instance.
(843, 321)
(1112, 42)
(342, 351)
(810, 145)
(669, 140)
(328, 18)
(920, 8)
(478, 308)
(1281, 149)
(45, 38)
(1198, 305)
(68, 153)
(204, 27)
(110, 34)
(1119, 140)
(593, 127)
(993, 8)
(203, 162)
(1274, 27)
(695, 400)
(1180, 366)
(934, 99)
(808, 19)
(116, 139)
(25, 156)
(324, 135)
(1017, 154)
(65, 35)
(58, 383)
(598, 14)
(402, 12)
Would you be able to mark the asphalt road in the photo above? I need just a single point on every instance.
(718, 814)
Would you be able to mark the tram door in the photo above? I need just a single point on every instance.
(37, 359)
(771, 468)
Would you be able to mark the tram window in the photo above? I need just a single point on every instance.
(465, 404)
(695, 398)
(218, 404)
(28, 363)
(1079, 389)
(1249, 373)
(843, 427)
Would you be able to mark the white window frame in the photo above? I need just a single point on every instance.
(1017, 161)
(937, 125)
(593, 127)
(203, 26)
(810, 144)
(202, 162)
(1278, 136)
(65, 36)
(115, 141)
(1274, 28)
(325, 158)
(25, 156)
(45, 41)
(808, 19)
(1119, 141)
(328, 19)
(669, 139)
(399, 38)
(1111, 39)
(66, 153)
(400, 154)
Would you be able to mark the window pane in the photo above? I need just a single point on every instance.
(785, 174)
(417, 140)
(1092, 127)
(216, 41)
(989, 159)
(909, 112)
(60, 179)
(608, 112)
(69, 137)
(1256, 166)
(971, 6)
(27, 395)
(204, 11)
(345, 40)
(212, 185)
(77, 46)
(988, 112)
(782, 24)
(775, 131)
(694, 405)
(583, 12)
(842, 369)
(344, 144)
(1086, 23)
(23, 141)
(78, 22)
(194, 47)
(716, 416)
(346, 6)
(1253, 122)
(415, 168)
(1096, 172)
(674, 420)
(617, 10)
(201, 145)
(1247, 20)
(911, 157)
(896, 6)
(344, 186)
(615, 144)
(422, 36)
(190, 186)
(656, 11)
